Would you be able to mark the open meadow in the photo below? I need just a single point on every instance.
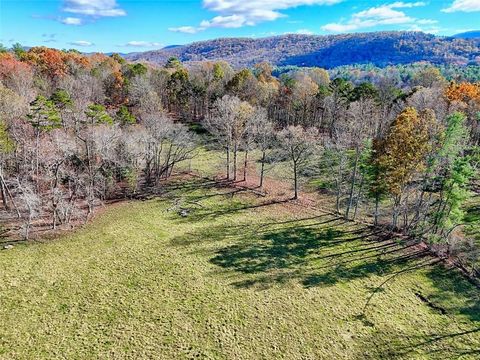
(236, 277)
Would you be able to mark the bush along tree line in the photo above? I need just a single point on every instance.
(76, 130)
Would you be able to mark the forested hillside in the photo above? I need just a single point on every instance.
(474, 34)
(378, 48)
(400, 152)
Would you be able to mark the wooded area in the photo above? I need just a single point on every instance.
(381, 48)
(77, 130)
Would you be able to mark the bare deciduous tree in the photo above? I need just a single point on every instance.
(299, 145)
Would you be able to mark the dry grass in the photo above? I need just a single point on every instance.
(240, 277)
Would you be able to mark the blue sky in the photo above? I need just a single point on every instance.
(138, 25)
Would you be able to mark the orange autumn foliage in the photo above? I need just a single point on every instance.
(78, 59)
(115, 80)
(49, 61)
(54, 63)
(9, 66)
(463, 92)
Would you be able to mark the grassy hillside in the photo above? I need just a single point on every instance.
(238, 278)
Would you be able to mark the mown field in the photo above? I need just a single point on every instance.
(238, 277)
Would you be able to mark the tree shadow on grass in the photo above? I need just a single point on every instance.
(452, 297)
(251, 230)
(381, 264)
(316, 251)
(454, 292)
(275, 250)
(463, 344)
(292, 244)
(230, 207)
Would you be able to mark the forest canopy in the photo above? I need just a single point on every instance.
(397, 145)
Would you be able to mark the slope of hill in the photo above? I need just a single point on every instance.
(379, 48)
(475, 34)
(237, 278)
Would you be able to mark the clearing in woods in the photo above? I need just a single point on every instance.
(236, 277)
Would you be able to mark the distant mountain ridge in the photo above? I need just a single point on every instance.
(468, 35)
(378, 48)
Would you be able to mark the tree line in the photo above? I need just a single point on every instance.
(76, 130)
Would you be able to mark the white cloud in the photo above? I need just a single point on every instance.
(401, 4)
(81, 43)
(426, 22)
(89, 9)
(304, 32)
(71, 21)
(184, 29)
(430, 30)
(230, 21)
(239, 13)
(265, 34)
(338, 28)
(381, 15)
(463, 6)
(96, 8)
(142, 44)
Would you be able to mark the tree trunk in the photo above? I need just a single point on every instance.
(337, 195)
(4, 191)
(37, 152)
(418, 208)
(405, 213)
(295, 181)
(7, 194)
(359, 196)
(71, 203)
(89, 208)
(27, 230)
(167, 162)
(352, 186)
(377, 201)
(228, 162)
(424, 216)
(395, 210)
(235, 151)
(54, 222)
(262, 170)
(54, 200)
(28, 222)
(245, 163)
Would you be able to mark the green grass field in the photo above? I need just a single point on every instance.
(238, 278)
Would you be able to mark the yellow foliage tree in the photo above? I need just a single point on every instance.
(402, 153)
